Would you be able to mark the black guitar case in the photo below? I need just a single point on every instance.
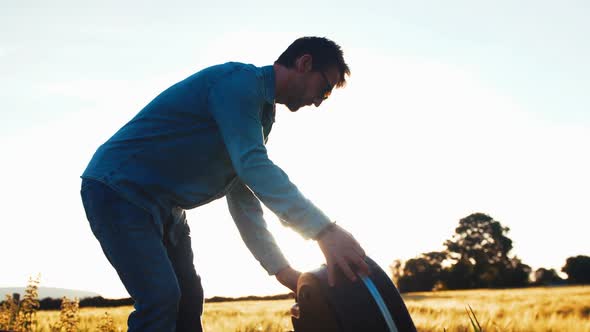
(370, 304)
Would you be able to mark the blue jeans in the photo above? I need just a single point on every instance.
(159, 276)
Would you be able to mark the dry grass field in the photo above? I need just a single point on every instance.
(539, 309)
(554, 309)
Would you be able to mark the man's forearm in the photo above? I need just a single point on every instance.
(288, 277)
(248, 217)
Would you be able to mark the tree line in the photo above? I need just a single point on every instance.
(49, 303)
(478, 256)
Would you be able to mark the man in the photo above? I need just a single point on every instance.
(201, 139)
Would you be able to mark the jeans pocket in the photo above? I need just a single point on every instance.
(89, 210)
(107, 211)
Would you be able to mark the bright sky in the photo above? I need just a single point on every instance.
(452, 108)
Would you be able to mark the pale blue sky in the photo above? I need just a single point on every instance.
(452, 108)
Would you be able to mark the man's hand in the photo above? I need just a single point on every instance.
(288, 277)
(341, 249)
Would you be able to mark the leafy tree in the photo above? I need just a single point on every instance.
(459, 275)
(396, 270)
(476, 256)
(421, 273)
(480, 239)
(513, 274)
(577, 269)
(480, 247)
(545, 276)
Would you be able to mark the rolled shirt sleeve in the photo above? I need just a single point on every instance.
(235, 102)
(248, 216)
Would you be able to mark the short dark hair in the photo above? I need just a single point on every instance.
(324, 53)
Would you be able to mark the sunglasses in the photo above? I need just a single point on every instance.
(327, 90)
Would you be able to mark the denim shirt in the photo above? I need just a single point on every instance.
(204, 138)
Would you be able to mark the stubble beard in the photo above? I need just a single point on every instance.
(293, 107)
(295, 103)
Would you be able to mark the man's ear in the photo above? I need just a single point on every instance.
(303, 64)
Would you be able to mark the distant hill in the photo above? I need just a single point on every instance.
(56, 293)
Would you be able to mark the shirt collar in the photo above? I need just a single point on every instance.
(269, 84)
